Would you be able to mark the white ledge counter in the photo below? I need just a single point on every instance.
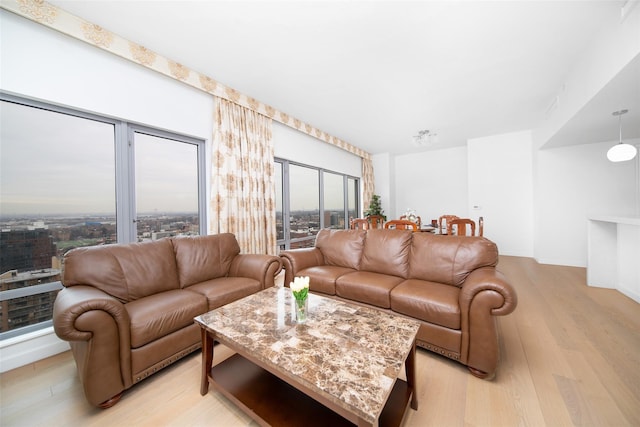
(614, 254)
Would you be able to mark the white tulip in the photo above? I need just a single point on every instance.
(299, 283)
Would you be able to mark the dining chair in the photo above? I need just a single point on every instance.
(480, 226)
(359, 223)
(401, 224)
(461, 227)
(443, 221)
(375, 221)
(417, 221)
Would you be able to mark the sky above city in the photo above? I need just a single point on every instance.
(52, 163)
(56, 164)
(305, 189)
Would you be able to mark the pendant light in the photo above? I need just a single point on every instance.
(621, 151)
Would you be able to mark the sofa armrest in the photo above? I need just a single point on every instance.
(489, 279)
(484, 295)
(71, 303)
(99, 330)
(262, 268)
(299, 259)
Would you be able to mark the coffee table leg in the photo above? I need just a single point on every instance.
(410, 370)
(207, 360)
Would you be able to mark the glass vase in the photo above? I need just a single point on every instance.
(302, 308)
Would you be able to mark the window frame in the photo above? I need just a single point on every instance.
(132, 129)
(124, 181)
(286, 205)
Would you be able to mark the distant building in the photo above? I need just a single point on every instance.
(162, 234)
(38, 225)
(25, 250)
(333, 219)
(31, 309)
(26, 260)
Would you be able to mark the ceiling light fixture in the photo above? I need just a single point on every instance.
(425, 137)
(621, 151)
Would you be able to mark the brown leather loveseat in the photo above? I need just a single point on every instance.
(127, 310)
(448, 283)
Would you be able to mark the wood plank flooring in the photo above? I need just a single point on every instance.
(570, 356)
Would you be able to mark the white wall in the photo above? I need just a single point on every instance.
(494, 173)
(573, 183)
(501, 186)
(535, 202)
(384, 179)
(432, 183)
(296, 146)
(40, 63)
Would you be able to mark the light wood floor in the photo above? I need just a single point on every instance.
(570, 356)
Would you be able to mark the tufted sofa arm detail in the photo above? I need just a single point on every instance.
(262, 268)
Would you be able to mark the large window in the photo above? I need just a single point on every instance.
(352, 198)
(166, 186)
(334, 200)
(309, 199)
(304, 204)
(279, 180)
(70, 179)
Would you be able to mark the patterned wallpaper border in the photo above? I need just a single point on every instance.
(66, 23)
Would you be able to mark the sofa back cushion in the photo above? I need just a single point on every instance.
(449, 259)
(125, 271)
(201, 258)
(342, 248)
(387, 252)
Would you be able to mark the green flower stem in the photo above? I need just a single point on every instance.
(301, 295)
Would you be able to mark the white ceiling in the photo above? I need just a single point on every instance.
(374, 73)
(595, 122)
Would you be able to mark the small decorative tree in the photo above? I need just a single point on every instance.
(375, 208)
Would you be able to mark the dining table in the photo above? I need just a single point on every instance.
(428, 228)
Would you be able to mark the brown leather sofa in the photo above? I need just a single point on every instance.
(127, 310)
(448, 283)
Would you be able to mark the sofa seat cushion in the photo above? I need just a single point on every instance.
(158, 315)
(323, 278)
(224, 290)
(367, 287)
(431, 302)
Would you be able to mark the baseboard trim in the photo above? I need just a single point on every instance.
(29, 348)
(563, 262)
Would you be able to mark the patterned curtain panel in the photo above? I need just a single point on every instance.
(367, 182)
(242, 182)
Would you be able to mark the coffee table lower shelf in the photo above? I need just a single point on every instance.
(271, 401)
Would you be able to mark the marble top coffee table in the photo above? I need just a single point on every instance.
(339, 368)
